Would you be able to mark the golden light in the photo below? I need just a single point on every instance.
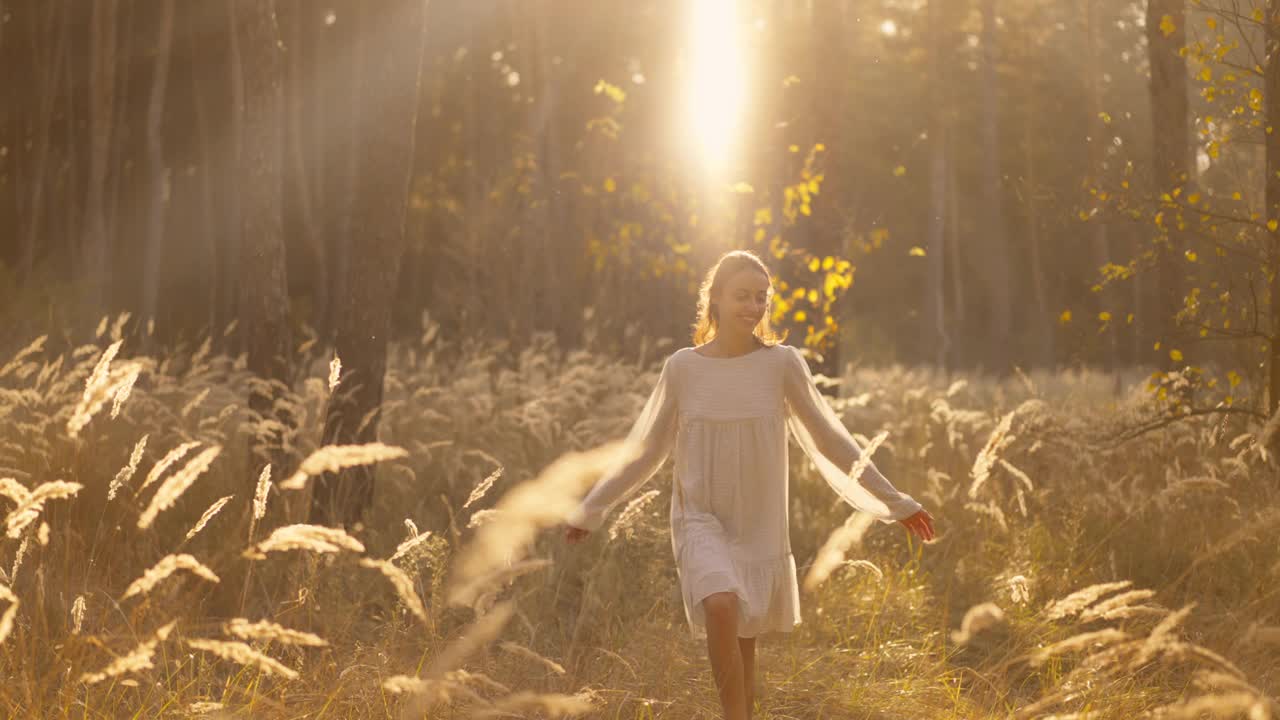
(717, 81)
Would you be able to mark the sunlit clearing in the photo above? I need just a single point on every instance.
(889, 28)
(717, 81)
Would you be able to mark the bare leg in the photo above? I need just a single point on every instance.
(726, 655)
(747, 647)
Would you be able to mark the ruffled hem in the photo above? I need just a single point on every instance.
(768, 595)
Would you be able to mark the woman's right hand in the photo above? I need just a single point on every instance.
(573, 535)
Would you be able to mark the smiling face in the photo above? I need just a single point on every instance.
(743, 300)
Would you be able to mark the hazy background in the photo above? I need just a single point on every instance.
(976, 163)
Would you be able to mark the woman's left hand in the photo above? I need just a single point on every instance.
(921, 524)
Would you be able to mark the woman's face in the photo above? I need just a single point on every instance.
(743, 300)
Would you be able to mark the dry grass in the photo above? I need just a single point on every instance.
(1046, 593)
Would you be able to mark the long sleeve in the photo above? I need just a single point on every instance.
(833, 450)
(647, 446)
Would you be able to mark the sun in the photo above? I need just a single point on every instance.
(717, 82)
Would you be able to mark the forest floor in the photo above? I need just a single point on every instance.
(1075, 575)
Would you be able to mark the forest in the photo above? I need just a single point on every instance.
(316, 316)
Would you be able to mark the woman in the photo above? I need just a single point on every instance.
(724, 407)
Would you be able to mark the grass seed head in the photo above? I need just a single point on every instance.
(167, 566)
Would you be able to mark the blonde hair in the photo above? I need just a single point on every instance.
(729, 264)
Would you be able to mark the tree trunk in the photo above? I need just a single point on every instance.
(1042, 324)
(156, 170)
(231, 240)
(1171, 147)
(335, 151)
(52, 65)
(300, 169)
(995, 262)
(206, 228)
(264, 297)
(473, 237)
(102, 96)
(936, 340)
(389, 48)
(1273, 193)
(957, 315)
(1100, 244)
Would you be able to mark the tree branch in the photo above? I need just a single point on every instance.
(1131, 433)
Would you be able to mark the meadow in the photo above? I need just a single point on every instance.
(152, 568)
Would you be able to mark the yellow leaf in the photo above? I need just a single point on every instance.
(610, 185)
(1129, 319)
(614, 92)
(830, 285)
(1175, 355)
(1104, 316)
(1258, 16)
(1105, 117)
(1211, 23)
(900, 171)
(800, 316)
(1272, 225)
(828, 262)
(1234, 378)
(742, 188)
(916, 251)
(1065, 317)
(1191, 255)
(1166, 25)
(793, 148)
(1206, 75)
(814, 264)
(1193, 198)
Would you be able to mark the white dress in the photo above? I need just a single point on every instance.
(726, 421)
